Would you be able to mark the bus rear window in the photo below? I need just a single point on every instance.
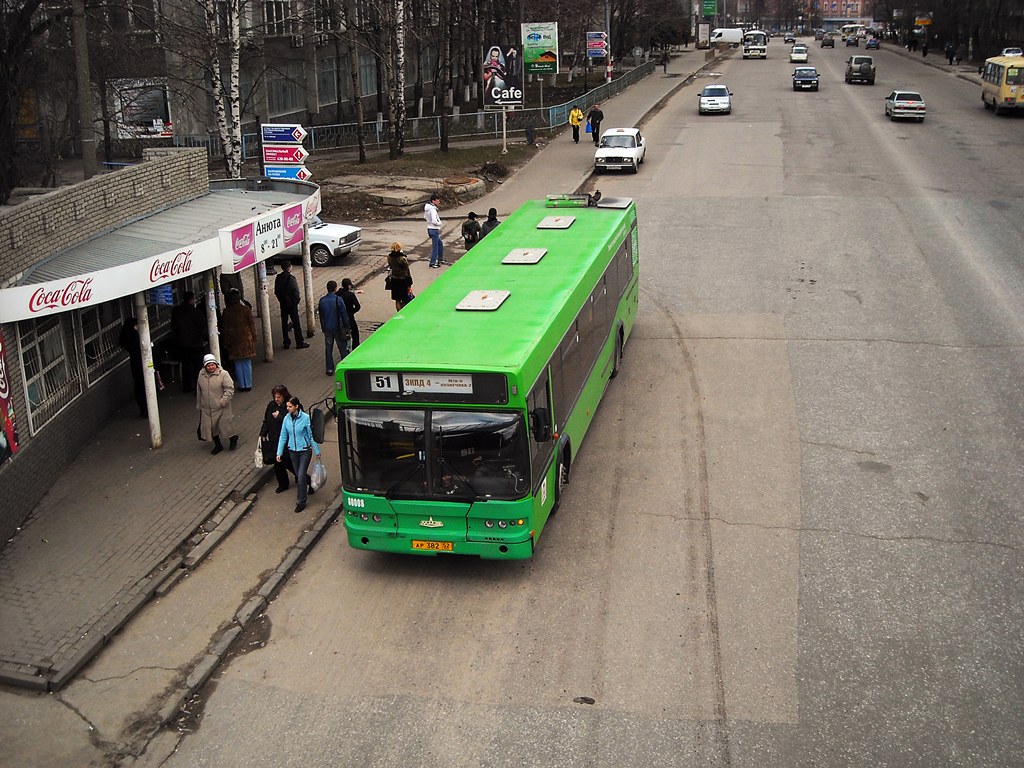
(1014, 76)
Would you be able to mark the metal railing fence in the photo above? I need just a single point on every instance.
(418, 129)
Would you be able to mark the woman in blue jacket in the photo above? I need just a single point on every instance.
(297, 439)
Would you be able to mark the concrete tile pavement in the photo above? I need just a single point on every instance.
(116, 528)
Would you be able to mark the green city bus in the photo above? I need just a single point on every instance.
(459, 419)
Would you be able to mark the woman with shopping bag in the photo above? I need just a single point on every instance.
(297, 439)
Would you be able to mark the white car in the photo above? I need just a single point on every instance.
(714, 98)
(798, 54)
(1012, 52)
(326, 241)
(620, 149)
(905, 104)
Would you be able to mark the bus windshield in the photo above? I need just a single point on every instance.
(469, 455)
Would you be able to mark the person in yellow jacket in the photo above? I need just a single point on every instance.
(576, 120)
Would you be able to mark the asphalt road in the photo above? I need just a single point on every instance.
(793, 536)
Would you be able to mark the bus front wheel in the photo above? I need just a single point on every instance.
(561, 480)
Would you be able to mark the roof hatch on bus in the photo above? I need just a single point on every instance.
(556, 222)
(483, 301)
(524, 256)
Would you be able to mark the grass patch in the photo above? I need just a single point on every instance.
(432, 163)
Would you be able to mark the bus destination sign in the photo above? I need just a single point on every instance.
(434, 383)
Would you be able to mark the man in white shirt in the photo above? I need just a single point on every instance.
(434, 230)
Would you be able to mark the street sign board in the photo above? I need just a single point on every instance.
(540, 48)
(283, 133)
(297, 172)
(284, 153)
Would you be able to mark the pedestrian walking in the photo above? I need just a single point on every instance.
(335, 325)
(400, 277)
(924, 50)
(576, 120)
(270, 435)
(188, 328)
(297, 439)
(434, 230)
(961, 53)
(471, 230)
(950, 52)
(238, 330)
(491, 223)
(214, 390)
(664, 62)
(286, 289)
(595, 117)
(348, 295)
(129, 340)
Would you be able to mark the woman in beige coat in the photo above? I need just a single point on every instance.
(214, 390)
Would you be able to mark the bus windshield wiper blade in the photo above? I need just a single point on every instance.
(394, 486)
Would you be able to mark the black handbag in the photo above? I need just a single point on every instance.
(387, 283)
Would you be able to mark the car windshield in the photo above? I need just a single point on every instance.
(618, 141)
(806, 73)
(433, 453)
(716, 90)
(799, 49)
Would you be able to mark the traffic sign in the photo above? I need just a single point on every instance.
(297, 172)
(283, 134)
(597, 36)
(284, 153)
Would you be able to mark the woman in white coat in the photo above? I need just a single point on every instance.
(214, 390)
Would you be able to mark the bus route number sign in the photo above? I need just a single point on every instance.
(434, 383)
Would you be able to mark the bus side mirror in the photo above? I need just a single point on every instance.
(540, 425)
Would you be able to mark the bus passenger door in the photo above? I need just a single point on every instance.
(542, 429)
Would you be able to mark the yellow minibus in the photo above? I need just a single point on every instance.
(1002, 83)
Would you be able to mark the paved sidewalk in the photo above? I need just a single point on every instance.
(125, 522)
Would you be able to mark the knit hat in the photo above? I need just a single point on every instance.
(209, 359)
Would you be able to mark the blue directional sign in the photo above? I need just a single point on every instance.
(298, 172)
(283, 134)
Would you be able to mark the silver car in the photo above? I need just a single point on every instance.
(714, 98)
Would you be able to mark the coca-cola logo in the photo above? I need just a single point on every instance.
(242, 242)
(5, 390)
(293, 221)
(162, 270)
(76, 292)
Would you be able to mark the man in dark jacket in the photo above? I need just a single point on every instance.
(595, 117)
(335, 325)
(491, 223)
(286, 288)
(188, 325)
(348, 295)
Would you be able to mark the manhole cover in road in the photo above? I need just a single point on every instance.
(457, 180)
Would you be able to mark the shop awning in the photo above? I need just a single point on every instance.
(237, 224)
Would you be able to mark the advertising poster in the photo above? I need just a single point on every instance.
(141, 109)
(8, 430)
(502, 78)
(540, 48)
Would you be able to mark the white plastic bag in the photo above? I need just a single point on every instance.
(258, 457)
(318, 475)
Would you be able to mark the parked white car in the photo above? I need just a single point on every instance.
(1012, 52)
(326, 242)
(620, 149)
(714, 98)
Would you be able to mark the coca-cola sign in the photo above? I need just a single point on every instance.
(163, 269)
(73, 293)
(5, 389)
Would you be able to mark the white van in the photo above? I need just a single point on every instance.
(722, 35)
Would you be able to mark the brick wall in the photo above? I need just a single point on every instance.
(49, 223)
(34, 231)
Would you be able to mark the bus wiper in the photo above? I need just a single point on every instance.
(394, 487)
(460, 477)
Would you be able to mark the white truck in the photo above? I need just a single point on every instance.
(725, 35)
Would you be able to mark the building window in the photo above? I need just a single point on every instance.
(327, 83)
(101, 329)
(285, 90)
(325, 16)
(49, 359)
(277, 17)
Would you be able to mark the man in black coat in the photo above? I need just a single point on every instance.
(348, 295)
(188, 326)
(286, 289)
(594, 117)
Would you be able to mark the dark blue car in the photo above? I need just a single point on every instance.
(805, 79)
